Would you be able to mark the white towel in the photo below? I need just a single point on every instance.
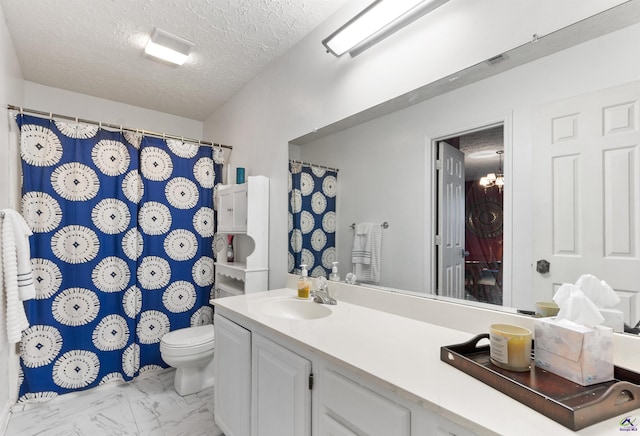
(370, 273)
(3, 300)
(361, 251)
(21, 232)
(17, 275)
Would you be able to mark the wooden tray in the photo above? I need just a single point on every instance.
(562, 400)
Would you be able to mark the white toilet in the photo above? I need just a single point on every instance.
(190, 351)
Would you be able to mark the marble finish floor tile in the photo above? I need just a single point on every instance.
(146, 406)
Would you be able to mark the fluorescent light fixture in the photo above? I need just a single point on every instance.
(379, 20)
(168, 47)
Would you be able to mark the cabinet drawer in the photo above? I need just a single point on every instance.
(360, 409)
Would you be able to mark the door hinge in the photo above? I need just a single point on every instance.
(438, 164)
(438, 240)
(310, 381)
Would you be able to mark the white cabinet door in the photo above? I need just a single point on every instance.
(232, 209)
(331, 427)
(232, 370)
(281, 400)
(225, 209)
(240, 209)
(347, 406)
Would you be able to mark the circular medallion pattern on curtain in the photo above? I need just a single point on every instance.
(77, 130)
(75, 306)
(156, 164)
(111, 157)
(179, 297)
(75, 182)
(111, 333)
(47, 277)
(40, 345)
(39, 145)
(111, 216)
(111, 274)
(75, 244)
(76, 369)
(155, 218)
(41, 211)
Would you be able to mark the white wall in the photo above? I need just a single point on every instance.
(73, 104)
(387, 155)
(11, 91)
(308, 88)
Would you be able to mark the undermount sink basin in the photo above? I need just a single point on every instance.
(294, 309)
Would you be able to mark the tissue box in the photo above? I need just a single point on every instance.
(575, 352)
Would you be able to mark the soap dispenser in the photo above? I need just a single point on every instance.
(334, 276)
(304, 284)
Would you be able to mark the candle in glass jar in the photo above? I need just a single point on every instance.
(510, 347)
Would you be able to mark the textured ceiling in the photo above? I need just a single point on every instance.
(95, 46)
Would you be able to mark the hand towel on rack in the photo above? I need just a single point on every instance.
(3, 299)
(361, 251)
(17, 275)
(370, 273)
(21, 233)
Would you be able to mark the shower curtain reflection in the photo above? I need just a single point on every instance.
(312, 218)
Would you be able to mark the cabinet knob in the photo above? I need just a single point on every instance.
(229, 210)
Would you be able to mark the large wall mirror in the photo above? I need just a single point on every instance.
(527, 115)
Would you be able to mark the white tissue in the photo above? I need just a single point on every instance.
(597, 291)
(576, 307)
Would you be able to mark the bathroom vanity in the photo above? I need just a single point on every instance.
(291, 367)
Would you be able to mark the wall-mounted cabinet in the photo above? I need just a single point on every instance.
(243, 212)
(232, 208)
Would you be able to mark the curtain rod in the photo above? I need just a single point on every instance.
(313, 165)
(114, 126)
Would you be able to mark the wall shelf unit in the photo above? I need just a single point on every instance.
(243, 212)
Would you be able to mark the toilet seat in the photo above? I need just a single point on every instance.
(191, 340)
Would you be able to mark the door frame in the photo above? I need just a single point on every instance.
(431, 200)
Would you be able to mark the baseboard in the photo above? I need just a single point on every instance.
(4, 418)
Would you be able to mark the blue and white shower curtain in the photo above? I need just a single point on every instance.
(312, 218)
(121, 252)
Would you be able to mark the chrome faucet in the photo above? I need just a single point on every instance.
(322, 294)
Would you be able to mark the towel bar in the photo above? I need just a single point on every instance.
(384, 225)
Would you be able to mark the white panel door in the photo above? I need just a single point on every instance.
(232, 371)
(281, 401)
(586, 182)
(451, 201)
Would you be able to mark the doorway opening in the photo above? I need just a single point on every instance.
(470, 239)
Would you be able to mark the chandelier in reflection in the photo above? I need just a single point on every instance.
(494, 179)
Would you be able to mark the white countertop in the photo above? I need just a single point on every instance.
(403, 355)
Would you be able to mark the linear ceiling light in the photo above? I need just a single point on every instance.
(168, 47)
(379, 20)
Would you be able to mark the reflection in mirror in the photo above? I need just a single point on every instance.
(476, 266)
(388, 172)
